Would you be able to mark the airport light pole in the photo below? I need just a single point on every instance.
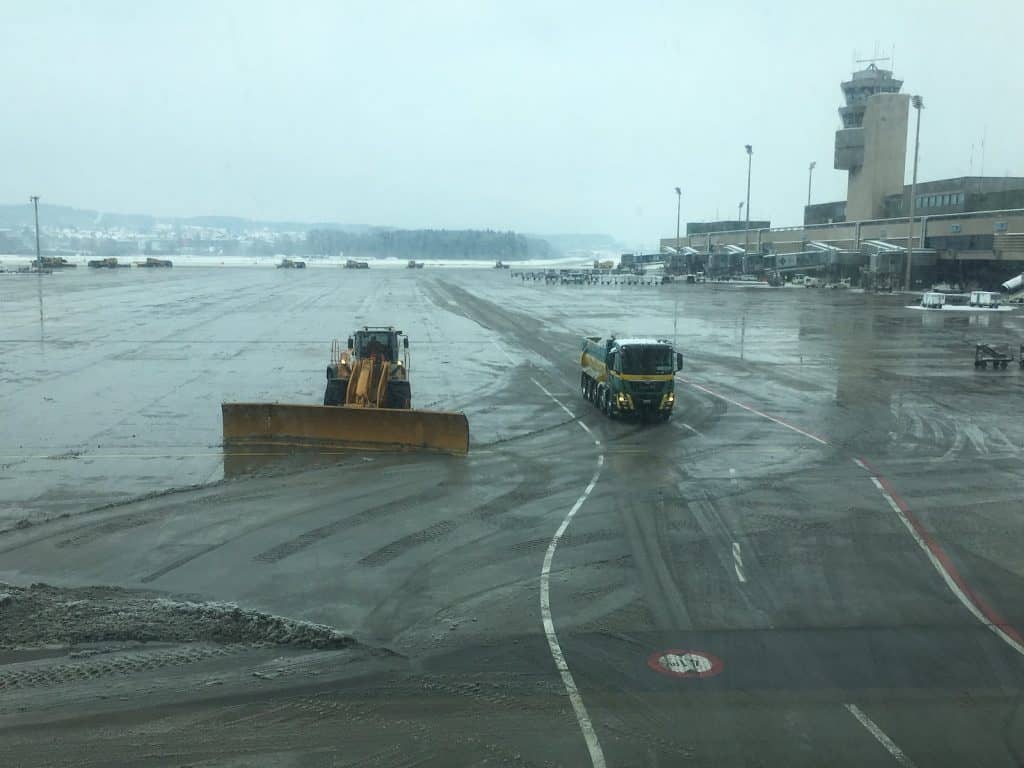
(746, 233)
(39, 260)
(679, 205)
(918, 103)
(810, 173)
(34, 199)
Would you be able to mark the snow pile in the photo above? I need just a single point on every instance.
(42, 615)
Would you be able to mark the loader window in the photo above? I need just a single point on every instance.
(647, 359)
(376, 342)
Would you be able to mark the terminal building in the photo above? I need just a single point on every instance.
(967, 230)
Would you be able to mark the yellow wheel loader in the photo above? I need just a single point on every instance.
(367, 405)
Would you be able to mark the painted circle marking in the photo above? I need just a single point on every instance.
(676, 663)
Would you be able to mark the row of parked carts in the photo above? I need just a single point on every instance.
(999, 357)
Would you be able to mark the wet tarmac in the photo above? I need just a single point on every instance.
(819, 560)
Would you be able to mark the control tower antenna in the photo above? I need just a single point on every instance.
(877, 56)
(872, 60)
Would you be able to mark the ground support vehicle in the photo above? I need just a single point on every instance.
(630, 377)
(367, 405)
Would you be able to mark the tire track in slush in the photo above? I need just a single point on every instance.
(315, 535)
(534, 485)
(532, 341)
(586, 725)
(399, 546)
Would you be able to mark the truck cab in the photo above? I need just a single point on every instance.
(630, 377)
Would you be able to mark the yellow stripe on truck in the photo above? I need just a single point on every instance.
(643, 376)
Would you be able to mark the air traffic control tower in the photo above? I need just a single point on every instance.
(872, 144)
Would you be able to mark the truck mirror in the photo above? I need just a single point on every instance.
(405, 342)
(350, 344)
(679, 361)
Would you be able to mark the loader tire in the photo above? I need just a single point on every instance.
(399, 395)
(334, 393)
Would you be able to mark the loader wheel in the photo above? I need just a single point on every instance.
(399, 395)
(331, 394)
(334, 393)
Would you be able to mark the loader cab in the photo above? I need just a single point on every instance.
(383, 341)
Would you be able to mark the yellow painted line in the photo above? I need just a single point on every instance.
(642, 376)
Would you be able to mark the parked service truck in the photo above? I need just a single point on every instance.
(984, 299)
(630, 377)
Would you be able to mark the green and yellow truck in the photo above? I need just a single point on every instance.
(630, 377)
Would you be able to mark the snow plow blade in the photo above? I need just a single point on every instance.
(344, 427)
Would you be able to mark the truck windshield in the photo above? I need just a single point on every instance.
(646, 358)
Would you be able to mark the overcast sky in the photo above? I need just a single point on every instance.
(536, 116)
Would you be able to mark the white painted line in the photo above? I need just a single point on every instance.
(578, 707)
(732, 475)
(582, 717)
(942, 569)
(763, 415)
(550, 394)
(505, 353)
(880, 735)
(559, 402)
(738, 562)
(587, 430)
(687, 426)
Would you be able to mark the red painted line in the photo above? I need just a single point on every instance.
(946, 562)
(941, 559)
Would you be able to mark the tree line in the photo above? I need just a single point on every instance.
(427, 244)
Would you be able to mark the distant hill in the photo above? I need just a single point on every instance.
(66, 217)
(582, 242)
(321, 239)
(428, 244)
